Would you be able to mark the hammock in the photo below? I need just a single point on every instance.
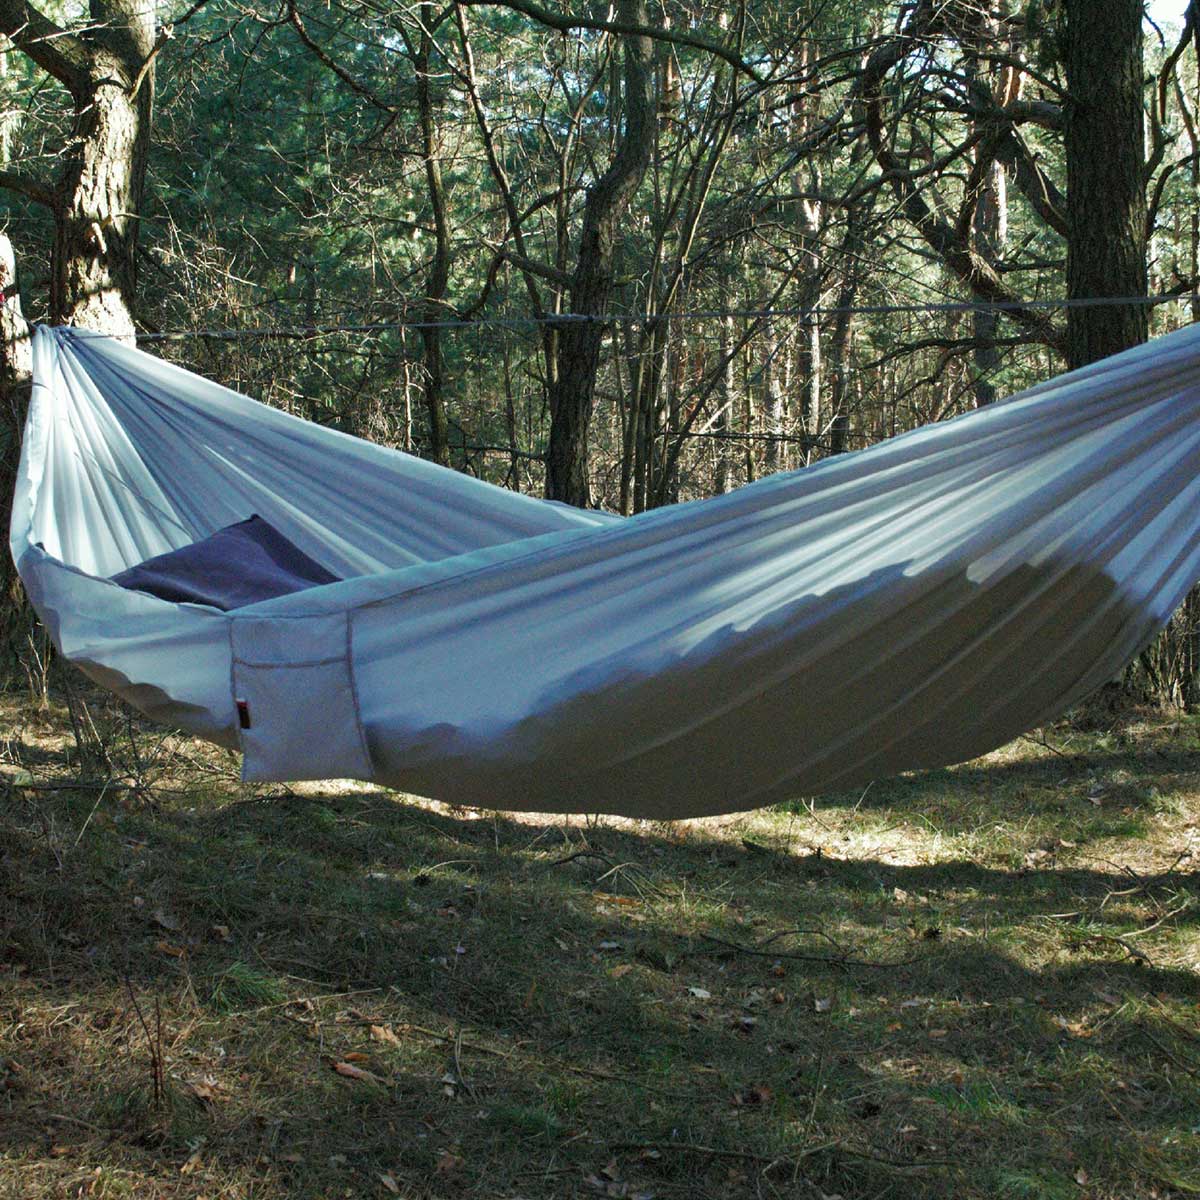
(912, 605)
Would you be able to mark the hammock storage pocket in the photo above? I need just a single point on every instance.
(293, 690)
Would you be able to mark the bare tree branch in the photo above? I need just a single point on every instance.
(565, 22)
(33, 189)
(56, 51)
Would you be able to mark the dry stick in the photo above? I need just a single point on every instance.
(458, 1069)
(91, 814)
(1169, 1056)
(593, 1073)
(1132, 951)
(69, 1120)
(47, 833)
(155, 1047)
(799, 929)
(562, 862)
(1165, 917)
(1045, 744)
(783, 1159)
(817, 958)
(614, 868)
(768, 1161)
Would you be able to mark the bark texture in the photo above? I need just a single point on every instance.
(1106, 194)
(438, 279)
(94, 203)
(95, 200)
(15, 367)
(572, 393)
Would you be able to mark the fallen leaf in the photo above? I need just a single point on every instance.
(822, 1003)
(356, 1056)
(173, 951)
(449, 1163)
(165, 920)
(193, 1161)
(350, 1071)
(700, 993)
(1077, 1029)
(389, 1182)
(1081, 1177)
(208, 1091)
(221, 933)
(620, 970)
(384, 1033)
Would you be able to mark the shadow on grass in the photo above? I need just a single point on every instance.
(362, 996)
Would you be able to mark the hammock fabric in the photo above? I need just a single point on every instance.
(911, 605)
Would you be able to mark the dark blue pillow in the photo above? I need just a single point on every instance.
(238, 565)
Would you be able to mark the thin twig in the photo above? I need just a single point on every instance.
(1192, 1071)
(155, 1046)
(829, 960)
(1165, 917)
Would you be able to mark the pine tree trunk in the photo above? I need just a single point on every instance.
(572, 393)
(726, 398)
(95, 204)
(94, 277)
(15, 368)
(990, 233)
(1106, 196)
(438, 278)
(774, 402)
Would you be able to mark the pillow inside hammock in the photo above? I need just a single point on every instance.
(238, 565)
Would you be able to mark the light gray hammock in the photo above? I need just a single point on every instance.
(911, 605)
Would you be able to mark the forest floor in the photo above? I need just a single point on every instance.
(975, 982)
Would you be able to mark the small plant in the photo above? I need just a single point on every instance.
(241, 986)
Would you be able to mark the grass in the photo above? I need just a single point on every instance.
(976, 982)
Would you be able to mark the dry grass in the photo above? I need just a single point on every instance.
(980, 982)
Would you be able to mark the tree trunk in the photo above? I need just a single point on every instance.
(572, 393)
(774, 402)
(94, 275)
(726, 398)
(94, 203)
(1106, 196)
(438, 278)
(15, 368)
(990, 232)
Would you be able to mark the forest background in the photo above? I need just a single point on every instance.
(795, 229)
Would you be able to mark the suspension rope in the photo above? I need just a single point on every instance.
(635, 319)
